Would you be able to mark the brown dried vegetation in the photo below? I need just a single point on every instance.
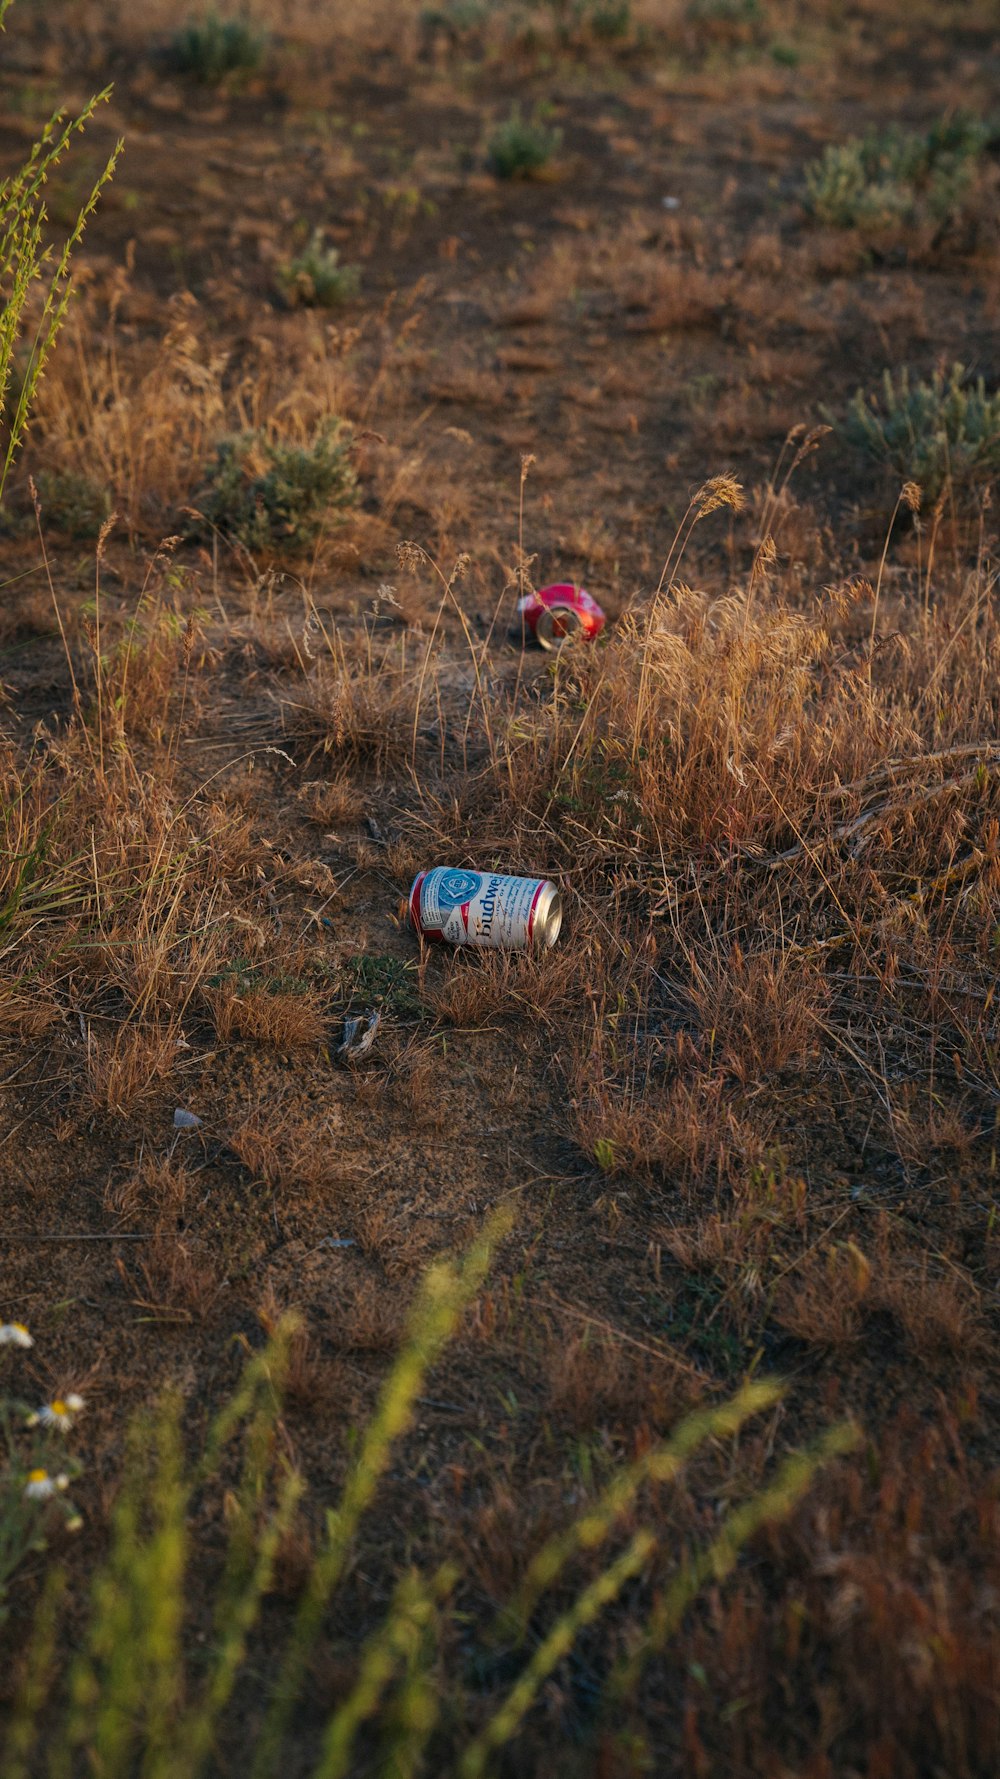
(746, 1110)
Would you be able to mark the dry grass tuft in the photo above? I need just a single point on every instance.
(595, 1381)
(482, 987)
(937, 1310)
(824, 1303)
(265, 1016)
(358, 700)
(126, 1070)
(284, 1147)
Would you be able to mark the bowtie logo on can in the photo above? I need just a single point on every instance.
(486, 909)
(560, 614)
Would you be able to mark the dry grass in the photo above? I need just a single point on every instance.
(142, 420)
(747, 1108)
(283, 1149)
(776, 815)
(357, 700)
(535, 987)
(121, 1071)
(288, 1021)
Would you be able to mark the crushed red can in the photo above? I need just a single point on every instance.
(486, 908)
(560, 613)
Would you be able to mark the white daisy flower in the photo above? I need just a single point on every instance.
(14, 1334)
(40, 1486)
(59, 1413)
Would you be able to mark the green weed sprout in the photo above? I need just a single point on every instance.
(315, 278)
(521, 146)
(609, 20)
(726, 12)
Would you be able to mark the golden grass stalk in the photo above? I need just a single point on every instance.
(126, 1686)
(160, 1587)
(128, 1704)
(194, 1742)
(415, 1712)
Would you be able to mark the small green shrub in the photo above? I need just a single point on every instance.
(211, 49)
(384, 981)
(454, 20)
(609, 19)
(723, 12)
(316, 278)
(468, 25)
(72, 503)
(892, 177)
(521, 146)
(575, 20)
(271, 495)
(937, 433)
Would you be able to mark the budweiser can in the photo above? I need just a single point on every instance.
(560, 613)
(486, 908)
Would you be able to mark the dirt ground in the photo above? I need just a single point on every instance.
(655, 308)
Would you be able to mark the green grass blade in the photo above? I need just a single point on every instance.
(504, 1724)
(443, 1294)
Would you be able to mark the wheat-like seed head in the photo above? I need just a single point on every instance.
(718, 491)
(409, 555)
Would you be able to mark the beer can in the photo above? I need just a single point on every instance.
(486, 908)
(560, 613)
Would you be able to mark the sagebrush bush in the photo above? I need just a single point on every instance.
(316, 278)
(578, 19)
(454, 20)
(72, 502)
(269, 494)
(211, 48)
(521, 146)
(892, 177)
(937, 432)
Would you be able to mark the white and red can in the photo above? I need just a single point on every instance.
(560, 613)
(486, 908)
